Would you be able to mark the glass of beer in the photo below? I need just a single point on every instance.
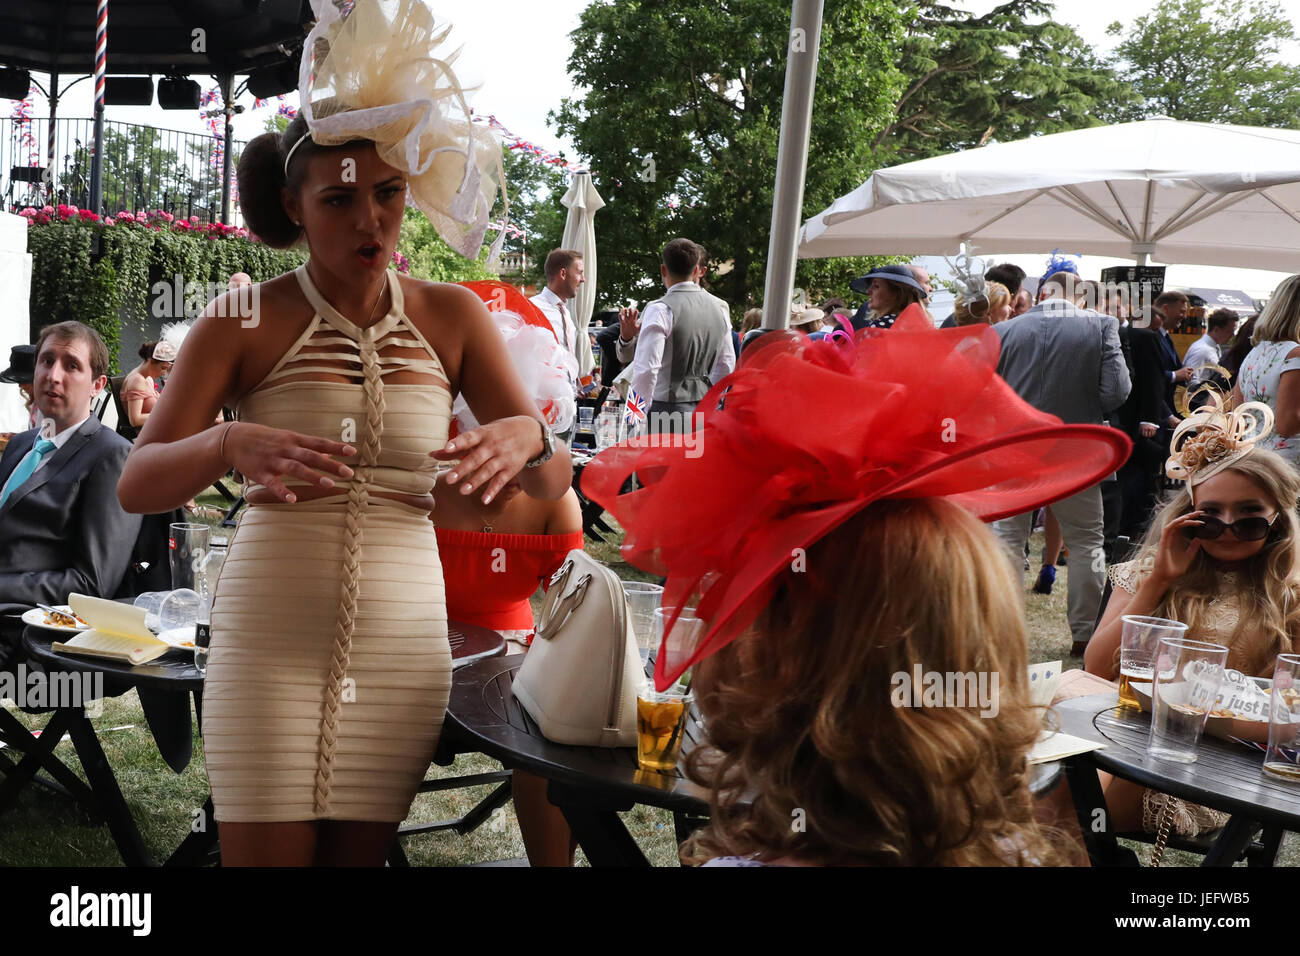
(1188, 676)
(1282, 759)
(660, 727)
(1137, 651)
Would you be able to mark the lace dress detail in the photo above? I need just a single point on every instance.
(1221, 616)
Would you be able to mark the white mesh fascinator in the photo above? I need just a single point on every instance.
(169, 341)
(383, 71)
(546, 368)
(972, 287)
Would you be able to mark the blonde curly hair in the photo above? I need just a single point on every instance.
(800, 715)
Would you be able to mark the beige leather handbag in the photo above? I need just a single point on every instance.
(580, 677)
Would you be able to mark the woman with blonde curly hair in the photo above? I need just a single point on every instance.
(1221, 557)
(924, 786)
(855, 573)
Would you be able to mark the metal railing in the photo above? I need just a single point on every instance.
(144, 168)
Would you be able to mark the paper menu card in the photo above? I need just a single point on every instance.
(1043, 681)
(117, 631)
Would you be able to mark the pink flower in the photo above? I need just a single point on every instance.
(29, 212)
(48, 210)
(194, 218)
(109, 221)
(87, 216)
(168, 216)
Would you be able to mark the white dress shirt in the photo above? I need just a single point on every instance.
(1204, 351)
(61, 439)
(654, 350)
(566, 333)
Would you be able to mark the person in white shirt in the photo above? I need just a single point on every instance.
(683, 346)
(563, 278)
(1208, 349)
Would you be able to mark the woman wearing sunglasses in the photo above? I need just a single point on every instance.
(1220, 557)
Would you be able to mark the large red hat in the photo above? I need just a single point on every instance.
(809, 434)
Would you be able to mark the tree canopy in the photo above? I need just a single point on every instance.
(680, 115)
(1212, 62)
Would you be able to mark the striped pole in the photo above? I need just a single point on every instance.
(50, 146)
(101, 70)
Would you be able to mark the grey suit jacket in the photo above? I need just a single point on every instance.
(63, 529)
(1065, 361)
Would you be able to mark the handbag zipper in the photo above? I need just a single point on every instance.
(620, 647)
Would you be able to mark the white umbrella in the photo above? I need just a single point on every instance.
(583, 203)
(1175, 191)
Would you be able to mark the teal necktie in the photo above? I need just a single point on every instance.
(25, 468)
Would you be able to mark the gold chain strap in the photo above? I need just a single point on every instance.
(1163, 825)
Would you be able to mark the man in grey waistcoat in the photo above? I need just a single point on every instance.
(684, 346)
(1066, 361)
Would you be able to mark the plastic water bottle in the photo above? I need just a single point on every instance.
(208, 574)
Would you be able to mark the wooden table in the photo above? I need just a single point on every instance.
(1226, 776)
(164, 686)
(590, 785)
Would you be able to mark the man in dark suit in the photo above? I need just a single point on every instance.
(61, 525)
(1149, 413)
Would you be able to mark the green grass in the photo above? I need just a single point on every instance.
(49, 830)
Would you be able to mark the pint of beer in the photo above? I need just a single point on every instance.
(1137, 651)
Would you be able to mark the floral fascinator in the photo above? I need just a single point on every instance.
(382, 71)
(1210, 439)
(918, 412)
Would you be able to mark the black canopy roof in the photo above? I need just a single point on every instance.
(152, 36)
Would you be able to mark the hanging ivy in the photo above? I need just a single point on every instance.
(115, 284)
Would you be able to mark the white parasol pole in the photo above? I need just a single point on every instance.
(791, 160)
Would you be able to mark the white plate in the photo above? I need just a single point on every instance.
(180, 638)
(36, 618)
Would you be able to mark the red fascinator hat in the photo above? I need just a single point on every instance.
(502, 296)
(809, 434)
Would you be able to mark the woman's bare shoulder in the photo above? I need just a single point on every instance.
(434, 299)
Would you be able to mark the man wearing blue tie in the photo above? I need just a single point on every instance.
(61, 526)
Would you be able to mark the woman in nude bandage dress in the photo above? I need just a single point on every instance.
(330, 668)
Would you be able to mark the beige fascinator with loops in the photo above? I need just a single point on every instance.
(1210, 439)
(382, 71)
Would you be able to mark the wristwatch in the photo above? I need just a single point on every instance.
(548, 447)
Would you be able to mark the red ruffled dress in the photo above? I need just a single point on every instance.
(490, 576)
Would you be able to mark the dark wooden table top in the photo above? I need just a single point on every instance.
(173, 671)
(470, 643)
(492, 721)
(484, 709)
(1226, 776)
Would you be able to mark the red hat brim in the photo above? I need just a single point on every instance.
(809, 434)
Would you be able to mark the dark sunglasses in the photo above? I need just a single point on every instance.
(1243, 529)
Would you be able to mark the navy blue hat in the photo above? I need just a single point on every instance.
(900, 274)
(22, 365)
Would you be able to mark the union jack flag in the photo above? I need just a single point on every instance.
(635, 414)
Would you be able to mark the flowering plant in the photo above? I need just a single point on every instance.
(156, 219)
